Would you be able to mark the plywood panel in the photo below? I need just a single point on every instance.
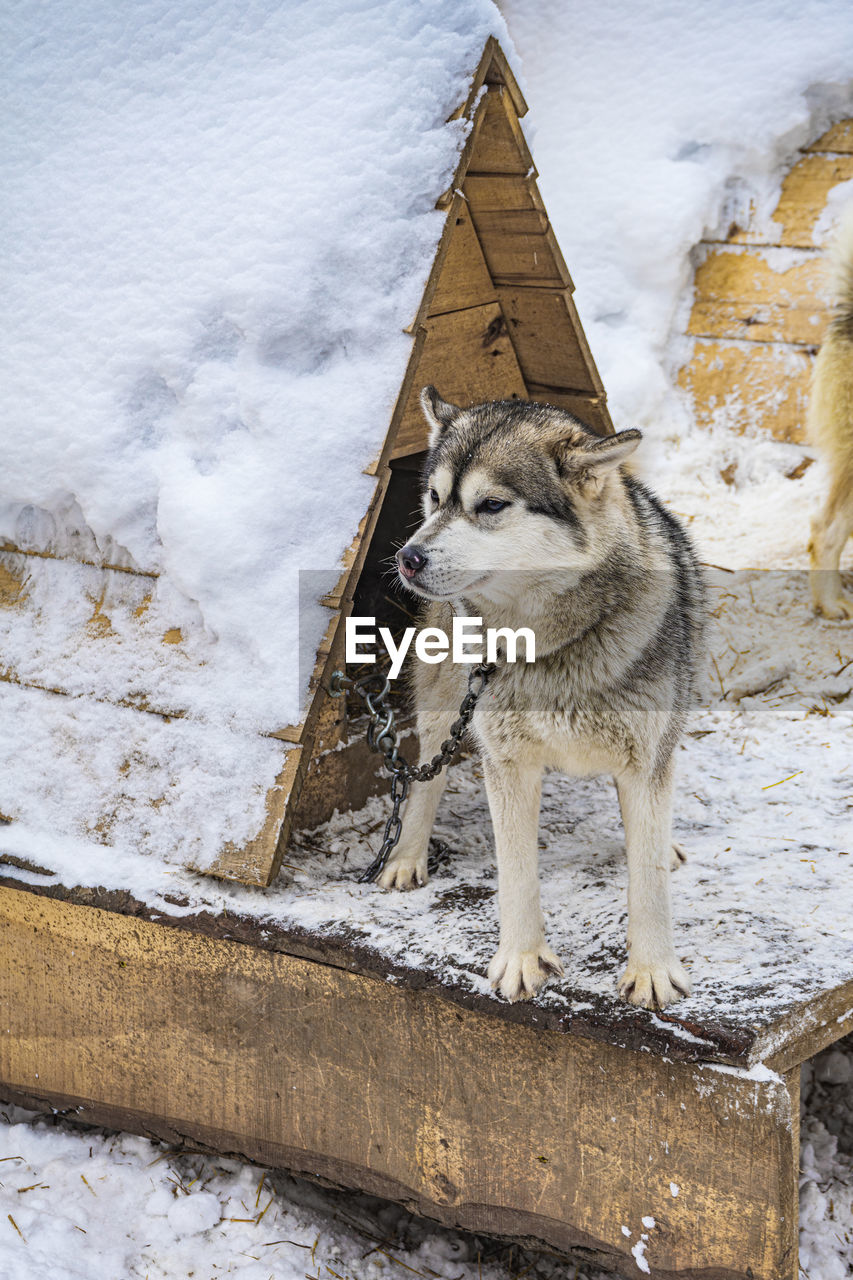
(804, 195)
(495, 191)
(548, 339)
(761, 296)
(468, 355)
(520, 257)
(744, 385)
(464, 280)
(473, 1120)
(839, 139)
(500, 144)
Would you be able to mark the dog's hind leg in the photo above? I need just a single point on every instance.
(830, 532)
(437, 695)
(654, 975)
(523, 959)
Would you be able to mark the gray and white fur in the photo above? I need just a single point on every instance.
(531, 520)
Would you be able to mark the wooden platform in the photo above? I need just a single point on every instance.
(294, 1051)
(574, 1121)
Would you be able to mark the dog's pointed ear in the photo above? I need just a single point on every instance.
(438, 413)
(590, 461)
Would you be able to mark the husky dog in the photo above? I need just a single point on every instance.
(531, 520)
(830, 429)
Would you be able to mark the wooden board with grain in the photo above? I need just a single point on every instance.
(744, 296)
(805, 190)
(748, 385)
(548, 340)
(464, 280)
(762, 302)
(469, 356)
(201, 1040)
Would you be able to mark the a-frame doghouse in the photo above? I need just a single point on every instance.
(496, 321)
(637, 1141)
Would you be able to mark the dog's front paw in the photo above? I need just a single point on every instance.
(518, 975)
(406, 871)
(655, 983)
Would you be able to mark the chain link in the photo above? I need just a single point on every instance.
(382, 736)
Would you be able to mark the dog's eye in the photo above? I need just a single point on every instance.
(433, 496)
(490, 506)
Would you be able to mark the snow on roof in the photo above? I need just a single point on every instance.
(219, 221)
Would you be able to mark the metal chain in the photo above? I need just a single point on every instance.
(382, 735)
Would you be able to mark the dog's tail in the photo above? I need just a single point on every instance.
(829, 423)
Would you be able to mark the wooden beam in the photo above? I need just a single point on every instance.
(472, 1120)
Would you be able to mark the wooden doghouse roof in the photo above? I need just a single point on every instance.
(496, 320)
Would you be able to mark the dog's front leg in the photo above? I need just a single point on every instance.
(523, 959)
(654, 975)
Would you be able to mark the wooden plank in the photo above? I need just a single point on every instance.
(491, 192)
(548, 339)
(493, 69)
(749, 384)
(760, 297)
(353, 771)
(202, 1040)
(591, 410)
(468, 355)
(517, 257)
(838, 139)
(257, 861)
(806, 1030)
(500, 144)
(12, 548)
(805, 190)
(464, 279)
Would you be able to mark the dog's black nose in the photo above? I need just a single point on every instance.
(411, 560)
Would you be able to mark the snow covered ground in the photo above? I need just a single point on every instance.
(88, 1205)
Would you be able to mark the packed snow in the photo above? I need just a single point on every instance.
(186, 385)
(217, 226)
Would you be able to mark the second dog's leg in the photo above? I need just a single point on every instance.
(830, 532)
(523, 959)
(654, 974)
